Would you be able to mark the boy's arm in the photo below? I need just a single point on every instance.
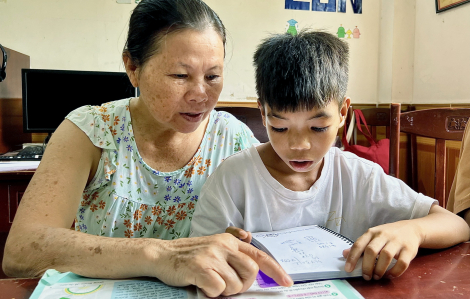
(401, 240)
(215, 210)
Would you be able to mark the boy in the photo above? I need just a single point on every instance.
(298, 179)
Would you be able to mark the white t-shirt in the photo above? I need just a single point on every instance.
(351, 195)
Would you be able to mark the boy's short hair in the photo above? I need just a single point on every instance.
(301, 72)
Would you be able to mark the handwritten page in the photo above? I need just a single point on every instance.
(307, 253)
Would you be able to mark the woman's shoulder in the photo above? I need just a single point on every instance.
(240, 162)
(102, 110)
(99, 122)
(225, 134)
(225, 122)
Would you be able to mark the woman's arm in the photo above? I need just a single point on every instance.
(41, 238)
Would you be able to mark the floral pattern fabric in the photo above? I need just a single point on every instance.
(127, 198)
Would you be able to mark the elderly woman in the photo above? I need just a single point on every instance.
(129, 172)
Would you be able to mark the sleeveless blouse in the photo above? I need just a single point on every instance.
(126, 197)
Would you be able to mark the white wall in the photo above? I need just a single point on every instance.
(407, 53)
(90, 35)
(70, 35)
(385, 64)
(403, 51)
(442, 55)
(249, 21)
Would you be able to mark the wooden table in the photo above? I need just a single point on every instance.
(432, 274)
(17, 288)
(12, 186)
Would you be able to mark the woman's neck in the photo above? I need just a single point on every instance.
(164, 149)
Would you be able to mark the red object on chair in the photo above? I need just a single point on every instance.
(378, 151)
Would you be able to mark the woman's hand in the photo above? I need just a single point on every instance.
(239, 233)
(218, 264)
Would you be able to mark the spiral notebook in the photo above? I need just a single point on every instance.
(308, 252)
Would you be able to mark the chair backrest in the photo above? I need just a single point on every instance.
(441, 124)
(251, 117)
(375, 117)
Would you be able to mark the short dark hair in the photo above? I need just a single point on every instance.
(301, 72)
(151, 20)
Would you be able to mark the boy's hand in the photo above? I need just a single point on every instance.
(239, 233)
(380, 244)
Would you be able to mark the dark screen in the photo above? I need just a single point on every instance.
(50, 95)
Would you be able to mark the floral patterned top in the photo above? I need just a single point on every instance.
(127, 198)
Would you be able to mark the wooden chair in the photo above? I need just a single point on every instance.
(375, 117)
(251, 117)
(381, 117)
(440, 124)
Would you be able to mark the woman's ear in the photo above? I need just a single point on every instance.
(344, 110)
(131, 69)
(263, 112)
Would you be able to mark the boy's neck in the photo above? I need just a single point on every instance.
(290, 179)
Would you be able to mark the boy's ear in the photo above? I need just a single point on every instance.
(263, 112)
(344, 110)
(131, 69)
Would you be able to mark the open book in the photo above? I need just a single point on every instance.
(308, 252)
(54, 284)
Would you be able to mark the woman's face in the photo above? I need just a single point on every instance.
(181, 83)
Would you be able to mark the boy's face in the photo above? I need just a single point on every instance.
(301, 139)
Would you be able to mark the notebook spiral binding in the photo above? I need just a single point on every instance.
(344, 238)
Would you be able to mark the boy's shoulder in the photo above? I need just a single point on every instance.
(236, 167)
(347, 160)
(242, 164)
(238, 159)
(337, 157)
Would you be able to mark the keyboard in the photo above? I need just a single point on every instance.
(14, 157)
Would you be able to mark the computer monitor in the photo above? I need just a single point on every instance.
(49, 95)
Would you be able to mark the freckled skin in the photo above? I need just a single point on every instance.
(166, 140)
(36, 246)
(178, 80)
(49, 204)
